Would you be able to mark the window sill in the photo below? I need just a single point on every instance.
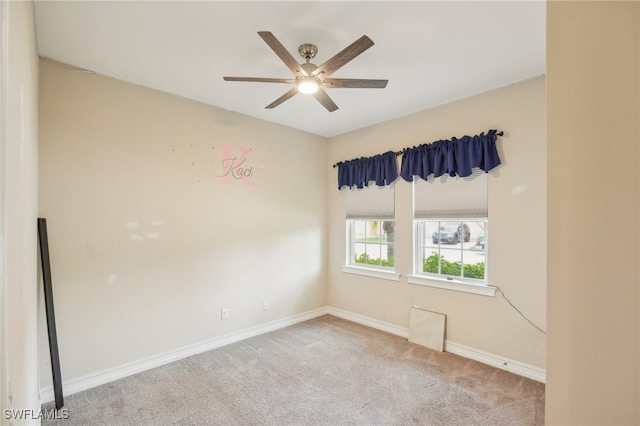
(455, 285)
(370, 272)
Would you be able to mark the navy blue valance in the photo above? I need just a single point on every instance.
(456, 157)
(381, 169)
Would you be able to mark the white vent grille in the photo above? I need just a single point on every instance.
(426, 328)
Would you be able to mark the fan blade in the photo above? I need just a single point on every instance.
(260, 80)
(282, 53)
(283, 98)
(334, 83)
(325, 100)
(344, 56)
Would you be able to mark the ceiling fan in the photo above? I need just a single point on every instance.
(312, 79)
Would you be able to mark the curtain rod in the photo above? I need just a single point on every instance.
(500, 133)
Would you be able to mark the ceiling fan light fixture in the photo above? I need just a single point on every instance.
(308, 85)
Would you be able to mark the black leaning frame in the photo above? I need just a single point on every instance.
(51, 318)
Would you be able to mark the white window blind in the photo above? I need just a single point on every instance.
(377, 202)
(451, 197)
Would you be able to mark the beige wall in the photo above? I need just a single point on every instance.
(147, 244)
(593, 194)
(517, 224)
(18, 204)
(130, 298)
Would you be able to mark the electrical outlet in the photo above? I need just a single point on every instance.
(224, 314)
(265, 305)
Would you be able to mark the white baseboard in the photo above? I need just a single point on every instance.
(370, 322)
(118, 372)
(516, 367)
(520, 368)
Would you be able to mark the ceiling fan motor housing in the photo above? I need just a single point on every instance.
(308, 67)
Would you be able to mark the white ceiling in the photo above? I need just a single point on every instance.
(431, 52)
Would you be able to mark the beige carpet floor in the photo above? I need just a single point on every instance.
(326, 371)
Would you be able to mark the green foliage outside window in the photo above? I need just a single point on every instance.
(430, 264)
(367, 260)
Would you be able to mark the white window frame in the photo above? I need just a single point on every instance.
(456, 283)
(375, 271)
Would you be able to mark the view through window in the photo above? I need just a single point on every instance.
(452, 248)
(371, 242)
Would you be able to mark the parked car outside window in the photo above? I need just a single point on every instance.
(452, 234)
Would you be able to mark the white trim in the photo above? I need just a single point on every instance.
(370, 272)
(503, 363)
(114, 373)
(516, 367)
(455, 285)
(369, 322)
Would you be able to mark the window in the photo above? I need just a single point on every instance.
(452, 248)
(451, 228)
(370, 231)
(371, 243)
